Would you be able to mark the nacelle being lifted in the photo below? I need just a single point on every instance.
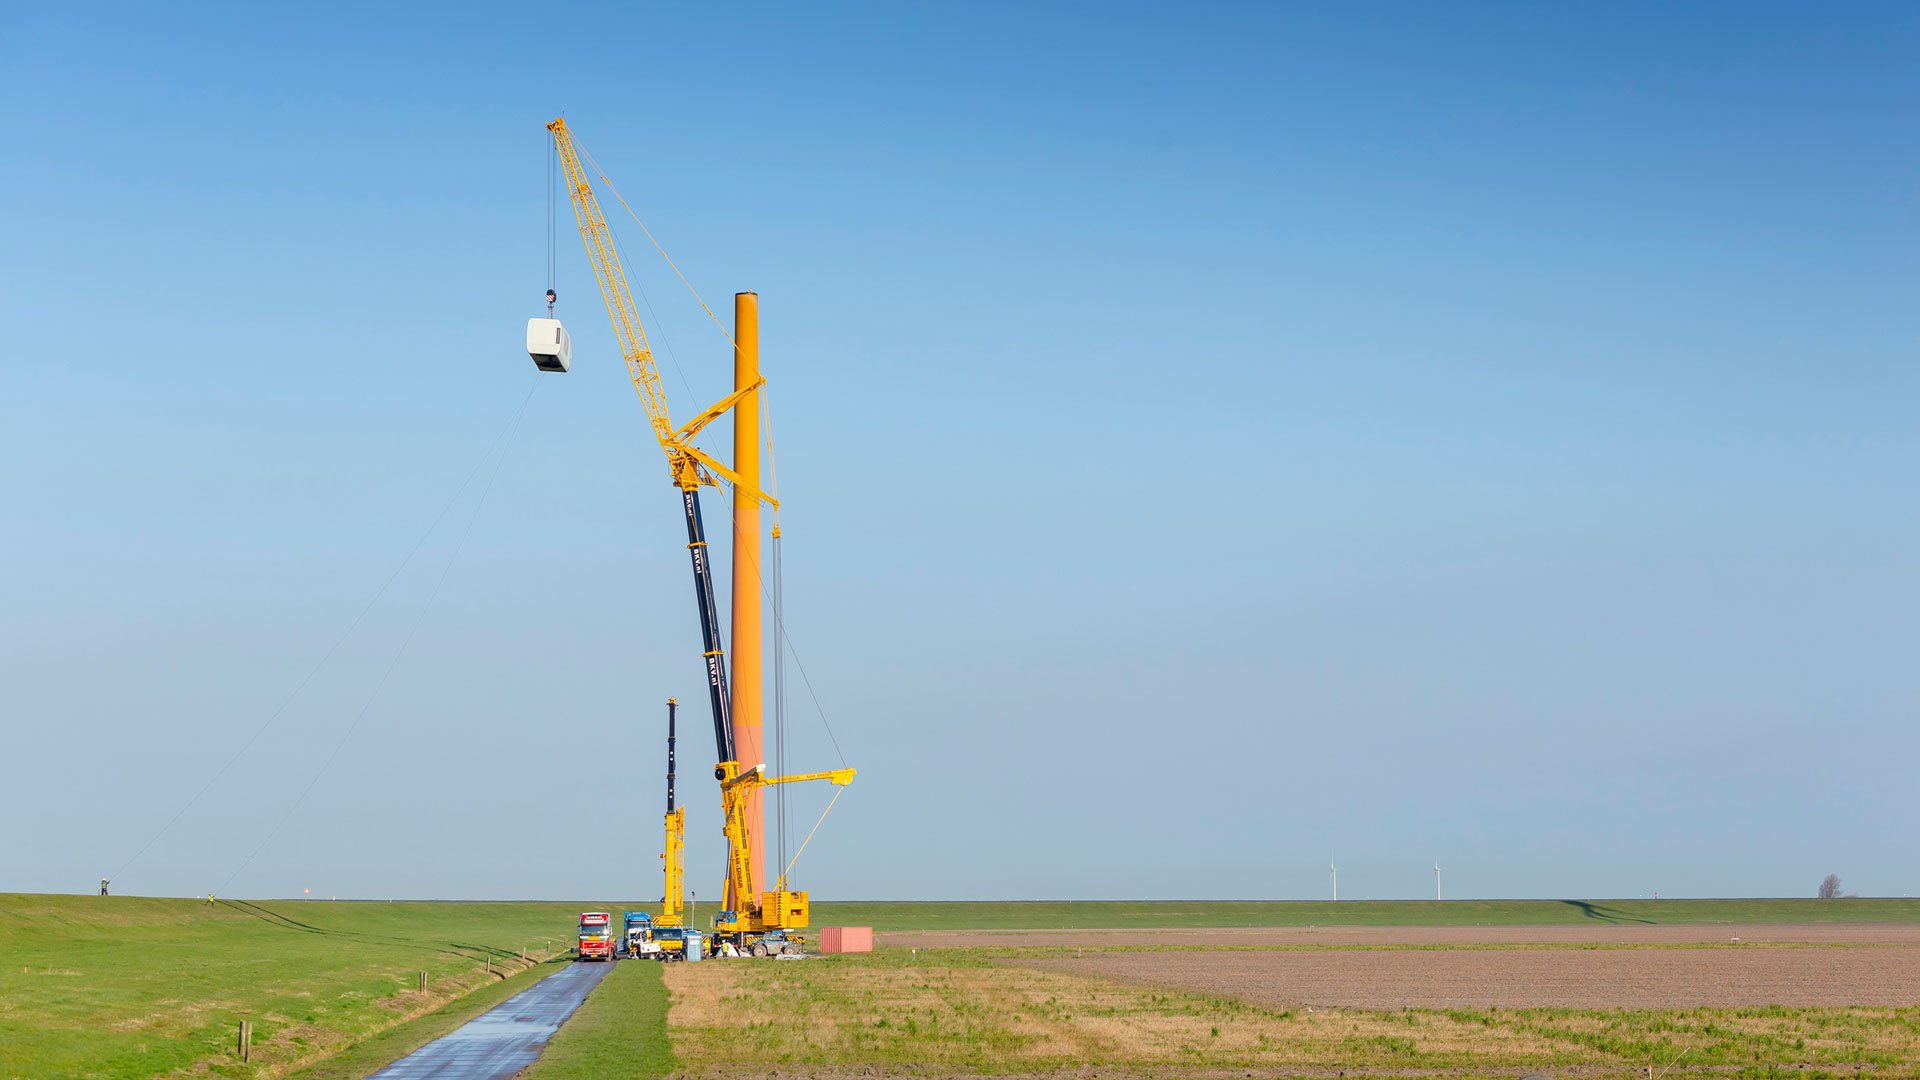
(549, 345)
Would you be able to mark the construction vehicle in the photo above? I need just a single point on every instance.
(595, 940)
(638, 940)
(747, 916)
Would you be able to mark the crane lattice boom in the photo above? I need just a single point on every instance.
(690, 465)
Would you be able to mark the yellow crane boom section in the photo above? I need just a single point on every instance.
(674, 900)
(690, 465)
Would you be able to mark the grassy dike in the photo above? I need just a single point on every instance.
(134, 987)
(621, 1030)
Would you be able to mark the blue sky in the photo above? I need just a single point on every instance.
(1213, 441)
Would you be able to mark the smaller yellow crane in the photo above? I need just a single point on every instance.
(674, 899)
(663, 936)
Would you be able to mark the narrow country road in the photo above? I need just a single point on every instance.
(502, 1041)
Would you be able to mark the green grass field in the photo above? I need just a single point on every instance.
(125, 987)
(137, 987)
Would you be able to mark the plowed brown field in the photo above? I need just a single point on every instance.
(1443, 1003)
(1794, 966)
(1597, 934)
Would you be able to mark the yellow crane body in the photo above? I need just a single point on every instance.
(778, 908)
(673, 902)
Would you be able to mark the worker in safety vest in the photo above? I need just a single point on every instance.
(103, 886)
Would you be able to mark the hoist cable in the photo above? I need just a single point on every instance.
(513, 429)
(339, 641)
(552, 251)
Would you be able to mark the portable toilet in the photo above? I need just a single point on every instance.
(549, 345)
(695, 945)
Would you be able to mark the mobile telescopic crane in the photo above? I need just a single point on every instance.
(747, 915)
(673, 899)
(663, 937)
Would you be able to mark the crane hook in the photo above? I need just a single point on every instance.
(551, 297)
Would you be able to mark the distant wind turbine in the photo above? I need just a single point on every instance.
(1334, 872)
(1436, 881)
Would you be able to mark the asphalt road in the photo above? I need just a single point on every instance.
(502, 1041)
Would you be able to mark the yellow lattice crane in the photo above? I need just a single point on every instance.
(689, 466)
(749, 915)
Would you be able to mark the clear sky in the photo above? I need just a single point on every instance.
(1216, 439)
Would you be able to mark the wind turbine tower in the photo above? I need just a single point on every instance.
(1333, 872)
(1436, 881)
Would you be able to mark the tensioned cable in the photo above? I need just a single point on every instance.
(816, 828)
(780, 624)
(715, 319)
(478, 505)
(766, 438)
(695, 293)
(656, 246)
(341, 640)
(660, 331)
(779, 706)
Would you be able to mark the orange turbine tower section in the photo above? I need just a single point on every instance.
(747, 667)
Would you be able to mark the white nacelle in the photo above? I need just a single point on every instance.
(549, 345)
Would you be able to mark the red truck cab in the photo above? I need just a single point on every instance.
(596, 936)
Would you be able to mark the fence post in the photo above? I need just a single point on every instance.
(245, 1042)
(423, 982)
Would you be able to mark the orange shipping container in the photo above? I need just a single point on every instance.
(846, 939)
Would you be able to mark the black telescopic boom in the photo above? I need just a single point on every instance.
(671, 706)
(709, 627)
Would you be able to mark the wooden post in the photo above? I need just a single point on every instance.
(489, 965)
(245, 1045)
(423, 982)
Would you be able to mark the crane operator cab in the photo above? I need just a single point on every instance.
(549, 345)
